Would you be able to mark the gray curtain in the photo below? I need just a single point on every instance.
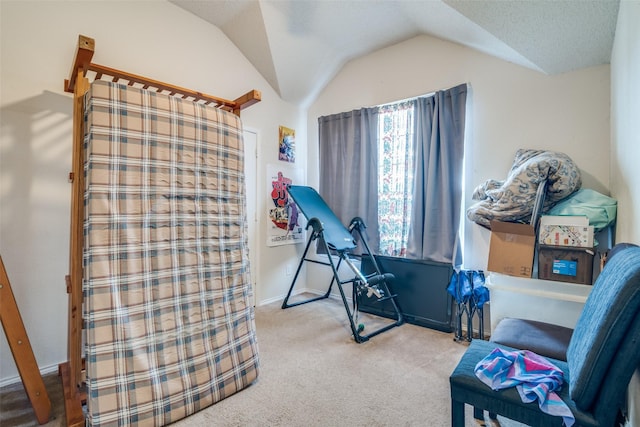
(349, 167)
(439, 132)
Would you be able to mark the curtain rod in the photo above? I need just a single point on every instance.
(416, 97)
(403, 100)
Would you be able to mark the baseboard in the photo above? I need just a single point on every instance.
(333, 295)
(16, 378)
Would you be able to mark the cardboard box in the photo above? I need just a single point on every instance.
(565, 230)
(566, 264)
(511, 248)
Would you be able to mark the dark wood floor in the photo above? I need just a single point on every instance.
(16, 410)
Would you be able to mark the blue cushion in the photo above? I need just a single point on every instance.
(603, 325)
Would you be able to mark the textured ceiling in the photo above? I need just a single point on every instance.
(300, 45)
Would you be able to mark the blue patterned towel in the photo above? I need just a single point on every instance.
(531, 374)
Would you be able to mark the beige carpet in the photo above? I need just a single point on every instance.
(314, 374)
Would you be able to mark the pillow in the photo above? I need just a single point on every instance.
(600, 209)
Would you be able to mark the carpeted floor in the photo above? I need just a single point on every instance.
(314, 374)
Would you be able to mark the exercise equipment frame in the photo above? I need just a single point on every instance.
(373, 284)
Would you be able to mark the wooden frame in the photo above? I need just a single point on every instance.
(21, 350)
(78, 84)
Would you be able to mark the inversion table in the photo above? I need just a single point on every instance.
(337, 239)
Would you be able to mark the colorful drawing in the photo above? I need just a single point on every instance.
(285, 227)
(279, 214)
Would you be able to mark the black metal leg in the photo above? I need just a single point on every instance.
(285, 303)
(470, 312)
(356, 282)
(457, 414)
(458, 322)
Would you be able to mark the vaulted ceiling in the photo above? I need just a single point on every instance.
(300, 45)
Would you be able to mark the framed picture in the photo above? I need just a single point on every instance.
(287, 144)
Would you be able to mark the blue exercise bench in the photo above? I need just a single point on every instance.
(336, 239)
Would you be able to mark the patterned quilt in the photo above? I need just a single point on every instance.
(513, 199)
(167, 298)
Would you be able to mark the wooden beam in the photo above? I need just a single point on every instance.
(72, 398)
(21, 350)
(247, 100)
(76, 242)
(81, 61)
(161, 86)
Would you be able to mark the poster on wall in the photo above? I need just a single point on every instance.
(287, 144)
(285, 223)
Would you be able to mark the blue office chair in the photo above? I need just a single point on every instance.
(602, 355)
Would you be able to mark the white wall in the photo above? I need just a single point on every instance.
(512, 107)
(155, 39)
(625, 126)
(625, 142)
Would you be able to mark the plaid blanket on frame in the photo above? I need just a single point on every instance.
(169, 320)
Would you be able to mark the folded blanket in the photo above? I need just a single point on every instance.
(513, 199)
(531, 374)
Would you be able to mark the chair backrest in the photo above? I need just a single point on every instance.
(605, 347)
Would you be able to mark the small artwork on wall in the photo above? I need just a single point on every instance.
(287, 144)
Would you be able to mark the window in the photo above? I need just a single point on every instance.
(399, 167)
(395, 176)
